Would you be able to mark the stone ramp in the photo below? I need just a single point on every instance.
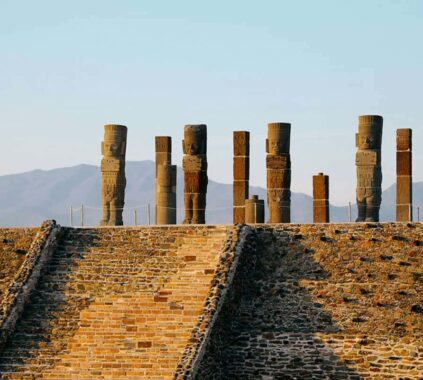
(115, 303)
(323, 302)
(14, 245)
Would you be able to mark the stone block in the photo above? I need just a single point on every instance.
(320, 186)
(241, 141)
(404, 163)
(404, 139)
(404, 213)
(241, 169)
(404, 190)
(240, 192)
(163, 144)
(278, 162)
(161, 158)
(254, 210)
(239, 214)
(320, 211)
(278, 179)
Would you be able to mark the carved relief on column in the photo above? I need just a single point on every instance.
(241, 170)
(195, 173)
(404, 175)
(369, 170)
(113, 180)
(166, 194)
(320, 198)
(278, 164)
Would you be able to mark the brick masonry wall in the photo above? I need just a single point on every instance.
(14, 245)
(119, 303)
(323, 302)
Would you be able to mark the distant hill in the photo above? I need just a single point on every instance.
(28, 198)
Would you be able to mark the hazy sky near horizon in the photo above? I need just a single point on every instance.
(67, 68)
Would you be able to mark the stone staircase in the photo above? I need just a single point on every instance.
(115, 303)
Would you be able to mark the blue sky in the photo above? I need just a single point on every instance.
(67, 68)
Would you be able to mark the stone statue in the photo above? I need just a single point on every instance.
(165, 182)
(241, 174)
(195, 173)
(404, 175)
(369, 170)
(278, 164)
(113, 180)
(166, 194)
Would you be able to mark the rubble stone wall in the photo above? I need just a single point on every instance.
(323, 301)
(14, 246)
(17, 293)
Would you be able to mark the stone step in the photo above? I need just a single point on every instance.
(114, 300)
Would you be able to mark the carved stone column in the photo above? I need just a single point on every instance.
(113, 180)
(278, 164)
(241, 170)
(320, 198)
(254, 210)
(166, 192)
(195, 173)
(404, 176)
(369, 170)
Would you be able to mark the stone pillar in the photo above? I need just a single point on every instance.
(241, 169)
(195, 173)
(163, 150)
(404, 175)
(113, 180)
(166, 194)
(254, 210)
(278, 164)
(320, 198)
(369, 170)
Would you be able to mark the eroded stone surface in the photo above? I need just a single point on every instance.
(241, 171)
(165, 182)
(320, 198)
(404, 175)
(254, 210)
(113, 180)
(194, 165)
(369, 169)
(323, 302)
(278, 167)
(14, 246)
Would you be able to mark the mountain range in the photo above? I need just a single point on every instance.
(28, 198)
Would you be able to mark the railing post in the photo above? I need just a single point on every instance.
(135, 218)
(349, 212)
(82, 215)
(71, 216)
(148, 214)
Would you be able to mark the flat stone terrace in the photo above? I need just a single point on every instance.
(14, 245)
(323, 302)
(115, 303)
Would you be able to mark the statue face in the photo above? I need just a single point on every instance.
(367, 141)
(276, 147)
(111, 149)
(191, 146)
